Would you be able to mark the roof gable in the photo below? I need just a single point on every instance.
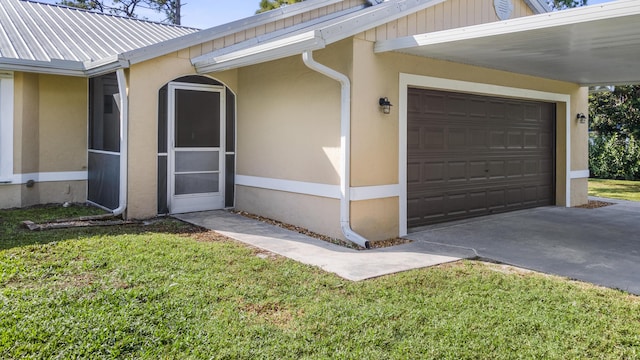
(313, 35)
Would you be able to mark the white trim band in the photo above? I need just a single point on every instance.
(374, 192)
(359, 193)
(46, 177)
(300, 187)
(579, 174)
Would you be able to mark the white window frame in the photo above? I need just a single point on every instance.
(6, 127)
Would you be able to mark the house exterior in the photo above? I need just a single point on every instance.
(279, 114)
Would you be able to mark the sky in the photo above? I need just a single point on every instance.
(204, 14)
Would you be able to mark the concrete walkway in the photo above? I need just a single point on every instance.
(347, 263)
(601, 246)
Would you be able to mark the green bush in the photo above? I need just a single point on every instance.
(614, 157)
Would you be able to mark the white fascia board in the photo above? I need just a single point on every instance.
(105, 66)
(54, 67)
(265, 52)
(335, 30)
(553, 19)
(275, 35)
(197, 38)
(372, 17)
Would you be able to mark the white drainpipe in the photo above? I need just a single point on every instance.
(124, 127)
(345, 147)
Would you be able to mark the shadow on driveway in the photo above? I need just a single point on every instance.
(601, 246)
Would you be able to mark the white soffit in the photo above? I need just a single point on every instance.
(592, 45)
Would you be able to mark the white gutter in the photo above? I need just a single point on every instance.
(345, 147)
(124, 153)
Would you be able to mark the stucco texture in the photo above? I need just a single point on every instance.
(50, 136)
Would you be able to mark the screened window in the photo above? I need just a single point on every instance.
(6, 127)
(103, 186)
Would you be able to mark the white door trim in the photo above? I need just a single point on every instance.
(428, 82)
(197, 206)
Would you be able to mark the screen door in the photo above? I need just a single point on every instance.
(196, 143)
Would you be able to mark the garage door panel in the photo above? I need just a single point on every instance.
(433, 172)
(433, 103)
(477, 155)
(432, 139)
(413, 173)
(498, 139)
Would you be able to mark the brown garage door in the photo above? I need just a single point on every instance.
(471, 155)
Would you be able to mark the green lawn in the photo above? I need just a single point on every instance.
(169, 290)
(615, 189)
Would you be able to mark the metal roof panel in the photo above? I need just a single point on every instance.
(32, 31)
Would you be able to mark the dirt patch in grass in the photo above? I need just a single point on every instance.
(272, 313)
(205, 235)
(594, 204)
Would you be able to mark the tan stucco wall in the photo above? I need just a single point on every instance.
(289, 119)
(449, 14)
(144, 81)
(376, 219)
(63, 123)
(50, 135)
(10, 196)
(289, 128)
(26, 135)
(318, 214)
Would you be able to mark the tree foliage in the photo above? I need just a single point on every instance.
(128, 8)
(565, 4)
(616, 112)
(266, 5)
(614, 157)
(614, 117)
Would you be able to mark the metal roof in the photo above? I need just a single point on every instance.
(41, 35)
(592, 45)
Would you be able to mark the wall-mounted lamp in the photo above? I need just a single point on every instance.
(385, 104)
(581, 118)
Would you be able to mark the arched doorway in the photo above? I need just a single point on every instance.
(196, 145)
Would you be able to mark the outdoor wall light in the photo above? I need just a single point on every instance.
(385, 104)
(581, 118)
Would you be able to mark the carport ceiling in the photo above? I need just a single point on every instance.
(593, 45)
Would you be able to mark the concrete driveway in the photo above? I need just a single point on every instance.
(601, 246)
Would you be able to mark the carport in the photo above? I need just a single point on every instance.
(589, 46)
(593, 45)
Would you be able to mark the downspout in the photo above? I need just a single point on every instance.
(124, 153)
(345, 147)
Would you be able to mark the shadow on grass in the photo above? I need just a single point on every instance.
(13, 234)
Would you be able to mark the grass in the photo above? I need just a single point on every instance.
(170, 290)
(615, 189)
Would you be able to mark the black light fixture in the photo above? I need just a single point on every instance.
(581, 118)
(385, 104)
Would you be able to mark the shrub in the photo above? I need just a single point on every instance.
(614, 157)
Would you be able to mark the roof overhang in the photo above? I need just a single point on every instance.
(312, 36)
(592, 45)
